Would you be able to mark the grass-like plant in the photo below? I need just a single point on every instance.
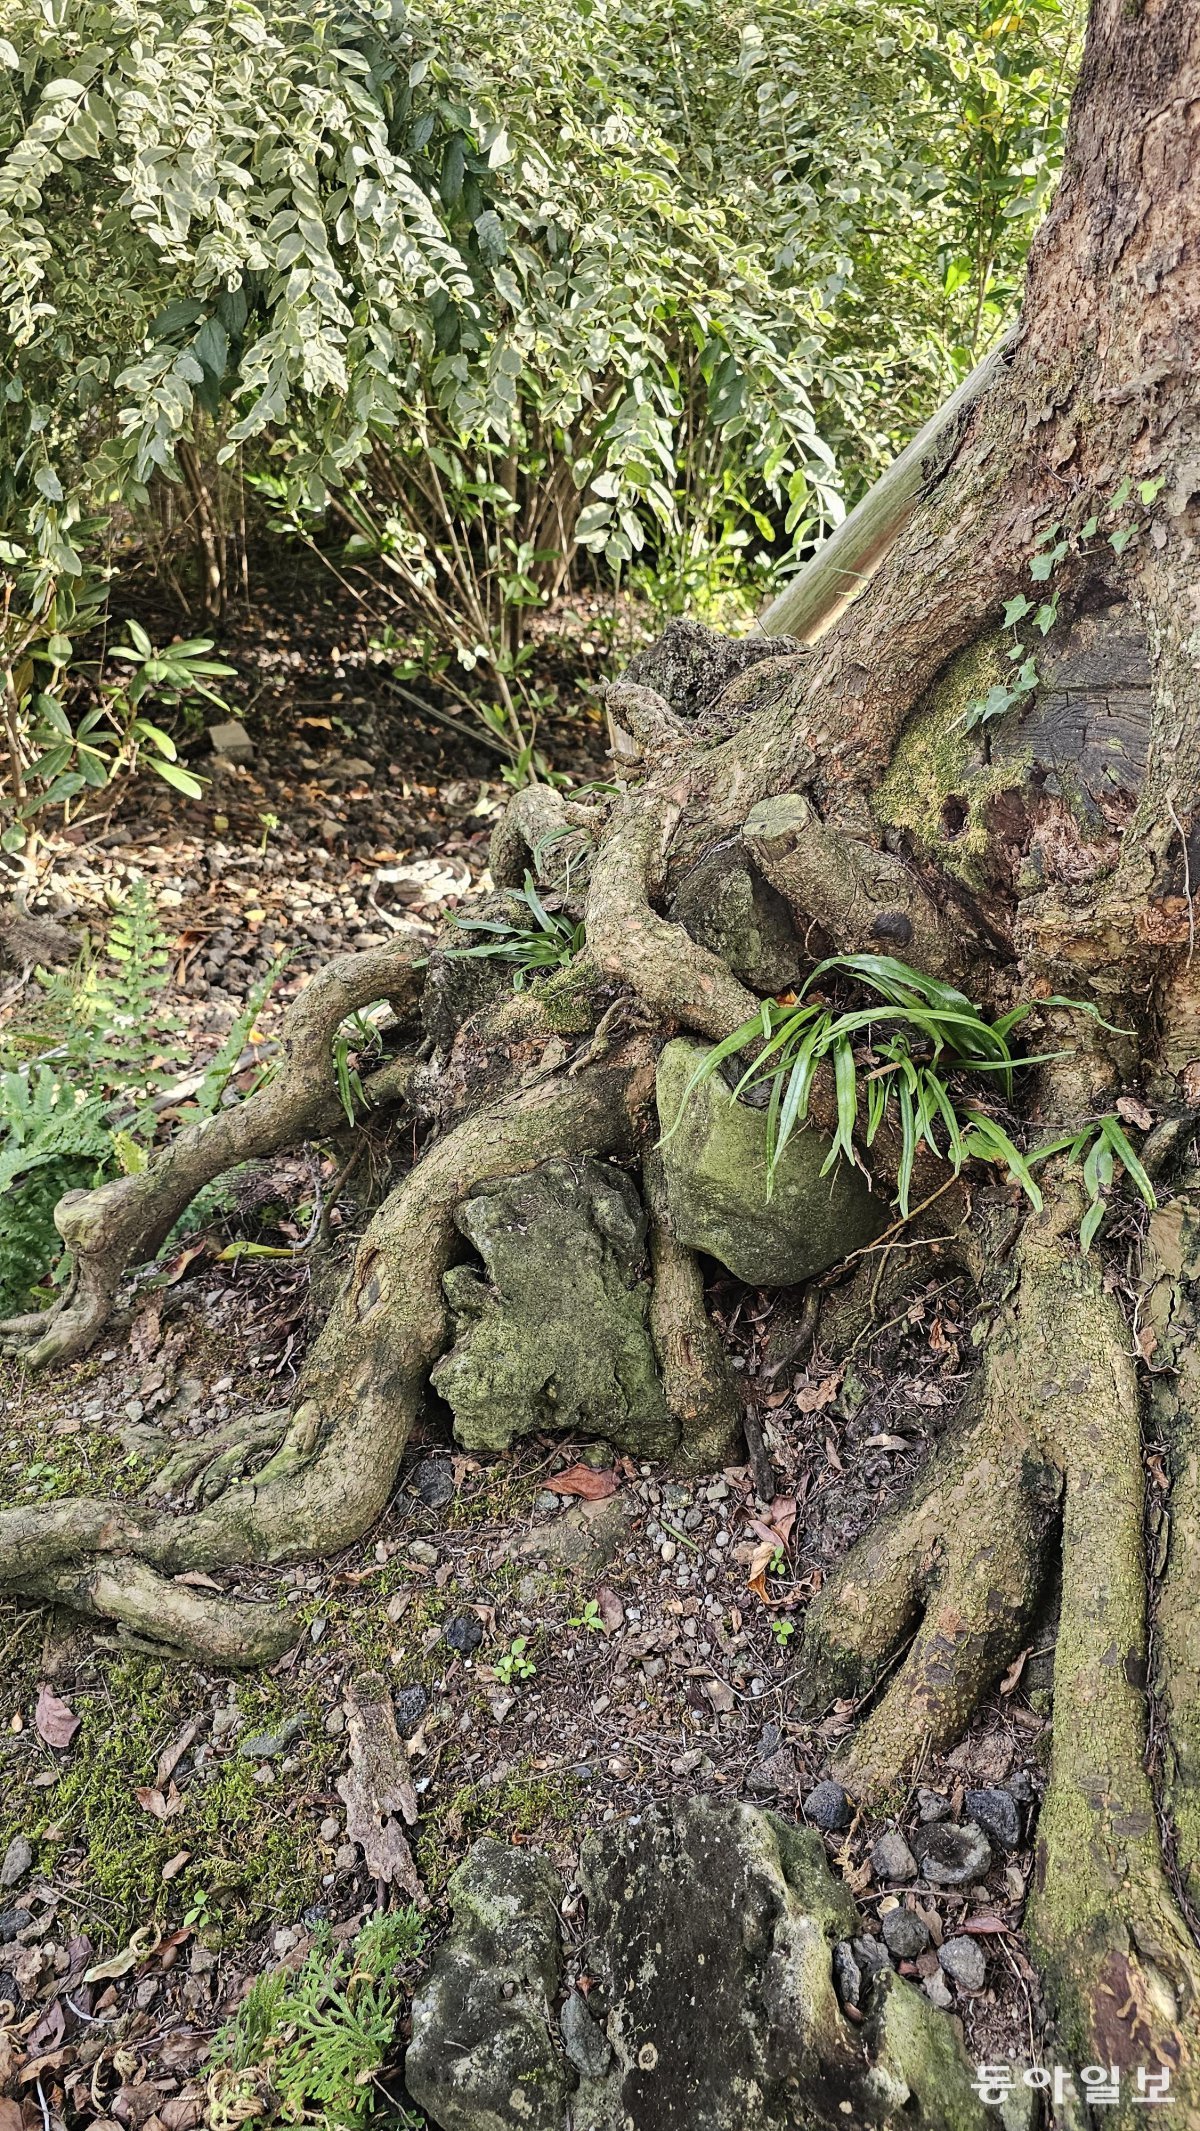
(917, 1037)
(547, 942)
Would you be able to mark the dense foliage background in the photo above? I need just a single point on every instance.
(496, 295)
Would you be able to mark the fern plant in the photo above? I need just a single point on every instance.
(310, 2047)
(54, 1140)
(919, 1034)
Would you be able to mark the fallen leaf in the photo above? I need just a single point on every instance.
(172, 1755)
(56, 1722)
(47, 2033)
(581, 1480)
(159, 1805)
(174, 1865)
(11, 2118)
(719, 1695)
(1134, 1112)
(143, 1942)
(197, 1580)
(1014, 1672)
(377, 1789)
(180, 1263)
(811, 1398)
(612, 1612)
(978, 1926)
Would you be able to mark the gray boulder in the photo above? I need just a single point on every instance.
(715, 1160)
(554, 1333)
(483, 2055)
(714, 1930)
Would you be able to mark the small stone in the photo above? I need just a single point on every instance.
(668, 1550)
(584, 2040)
(937, 1990)
(1021, 1785)
(410, 1705)
(964, 1963)
(421, 1551)
(330, 1828)
(463, 1632)
(828, 1806)
(545, 1501)
(932, 1805)
(335, 1722)
(17, 1859)
(891, 1857)
(435, 1482)
(773, 1776)
(847, 1975)
(997, 1813)
(872, 1956)
(12, 1921)
(268, 1745)
(952, 1856)
(347, 1857)
(231, 739)
(904, 1934)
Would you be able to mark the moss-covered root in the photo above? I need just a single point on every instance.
(1121, 1968)
(125, 1221)
(210, 1630)
(337, 1463)
(675, 977)
(699, 1384)
(961, 1565)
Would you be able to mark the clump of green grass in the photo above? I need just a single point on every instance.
(548, 941)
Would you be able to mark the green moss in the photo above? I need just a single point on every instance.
(251, 1855)
(568, 998)
(938, 758)
(526, 1806)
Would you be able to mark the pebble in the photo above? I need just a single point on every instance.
(871, 1955)
(12, 1921)
(963, 1961)
(584, 2040)
(347, 1857)
(330, 1827)
(904, 1934)
(544, 1501)
(421, 1551)
(933, 1805)
(435, 1483)
(773, 1776)
(335, 1722)
(998, 1814)
(952, 1856)
(268, 1745)
(17, 1859)
(463, 1632)
(668, 1550)
(892, 1859)
(847, 1975)
(410, 1706)
(828, 1806)
(937, 1990)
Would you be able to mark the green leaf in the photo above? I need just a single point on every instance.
(182, 779)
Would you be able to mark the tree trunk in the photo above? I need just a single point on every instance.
(1047, 849)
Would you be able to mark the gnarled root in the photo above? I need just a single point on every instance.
(124, 1222)
(1055, 1418)
(336, 1465)
(699, 1384)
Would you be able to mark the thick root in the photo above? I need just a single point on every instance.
(1056, 1418)
(336, 1465)
(699, 1384)
(125, 1222)
(211, 1630)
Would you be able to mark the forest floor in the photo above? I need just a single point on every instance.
(567, 1637)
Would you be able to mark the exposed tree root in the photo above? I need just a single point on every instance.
(126, 1221)
(534, 820)
(336, 1465)
(1054, 1420)
(699, 1384)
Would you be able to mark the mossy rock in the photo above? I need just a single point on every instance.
(715, 1161)
(554, 1333)
(725, 904)
(711, 1930)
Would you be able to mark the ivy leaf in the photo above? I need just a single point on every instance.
(1016, 609)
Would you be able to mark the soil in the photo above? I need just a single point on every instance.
(663, 1665)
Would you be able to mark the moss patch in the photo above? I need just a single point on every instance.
(939, 760)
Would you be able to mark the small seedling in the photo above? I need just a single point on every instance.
(515, 1664)
(589, 1618)
(269, 822)
(783, 1631)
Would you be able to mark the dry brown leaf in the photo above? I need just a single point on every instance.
(1014, 1672)
(158, 1804)
(197, 1580)
(56, 1721)
(812, 1398)
(377, 1788)
(172, 1755)
(719, 1695)
(174, 1865)
(11, 2118)
(140, 1945)
(1134, 1112)
(611, 1611)
(581, 1480)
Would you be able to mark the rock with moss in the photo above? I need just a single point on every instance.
(553, 1332)
(725, 904)
(483, 2055)
(711, 2006)
(715, 1159)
